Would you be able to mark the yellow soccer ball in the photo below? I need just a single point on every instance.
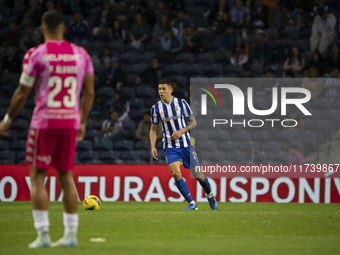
(91, 203)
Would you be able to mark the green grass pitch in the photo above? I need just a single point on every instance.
(164, 228)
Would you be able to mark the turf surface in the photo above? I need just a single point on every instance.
(163, 228)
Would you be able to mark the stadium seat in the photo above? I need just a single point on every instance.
(181, 80)
(145, 155)
(153, 47)
(229, 146)
(309, 140)
(93, 162)
(212, 47)
(19, 145)
(292, 33)
(299, 146)
(234, 69)
(238, 156)
(126, 59)
(145, 92)
(143, 145)
(256, 69)
(205, 58)
(103, 146)
(6, 162)
(210, 145)
(93, 135)
(19, 125)
(322, 104)
(159, 162)
(286, 136)
(98, 125)
(136, 103)
(128, 92)
(159, 145)
(262, 136)
(192, 70)
(94, 47)
(124, 145)
(8, 155)
(261, 157)
(7, 90)
(89, 125)
(214, 157)
(4, 145)
(136, 69)
(145, 58)
(84, 146)
(171, 70)
(21, 156)
(109, 157)
(332, 114)
(279, 156)
(106, 93)
(130, 155)
(271, 146)
(13, 135)
(116, 47)
(137, 162)
(249, 146)
(222, 58)
(212, 70)
(241, 135)
(24, 114)
(219, 135)
(185, 58)
(160, 154)
(272, 34)
(137, 115)
(88, 155)
(336, 103)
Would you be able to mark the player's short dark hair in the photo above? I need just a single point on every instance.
(52, 20)
(167, 82)
(146, 113)
(293, 146)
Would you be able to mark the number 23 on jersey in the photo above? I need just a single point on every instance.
(68, 100)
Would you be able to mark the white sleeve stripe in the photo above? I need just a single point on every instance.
(27, 80)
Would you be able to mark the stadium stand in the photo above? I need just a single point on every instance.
(136, 79)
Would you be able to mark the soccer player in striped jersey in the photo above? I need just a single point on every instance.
(172, 113)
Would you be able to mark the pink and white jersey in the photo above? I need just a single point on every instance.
(57, 70)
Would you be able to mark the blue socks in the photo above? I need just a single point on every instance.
(183, 188)
(206, 185)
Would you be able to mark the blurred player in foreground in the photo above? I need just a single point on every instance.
(58, 70)
(172, 112)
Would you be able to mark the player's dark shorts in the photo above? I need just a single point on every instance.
(51, 148)
(189, 157)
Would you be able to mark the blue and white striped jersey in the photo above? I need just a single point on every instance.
(172, 117)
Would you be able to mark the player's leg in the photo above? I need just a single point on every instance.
(40, 201)
(194, 166)
(71, 218)
(63, 161)
(182, 186)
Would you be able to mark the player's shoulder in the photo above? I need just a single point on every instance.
(33, 50)
(79, 49)
(155, 105)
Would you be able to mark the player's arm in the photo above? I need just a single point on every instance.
(18, 101)
(153, 139)
(86, 104)
(191, 125)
